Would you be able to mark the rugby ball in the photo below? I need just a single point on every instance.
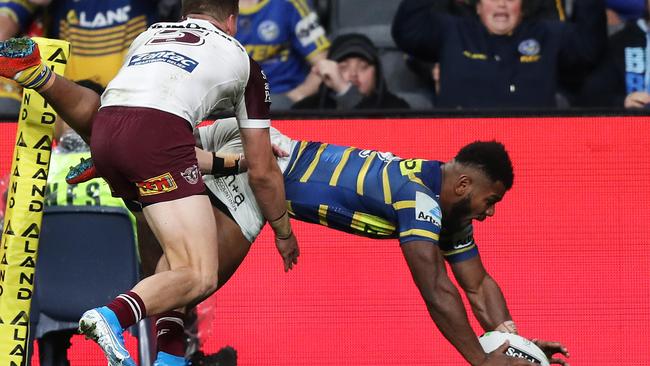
(520, 347)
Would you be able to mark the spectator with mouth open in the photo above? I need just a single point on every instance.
(502, 58)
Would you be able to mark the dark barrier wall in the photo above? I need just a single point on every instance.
(568, 245)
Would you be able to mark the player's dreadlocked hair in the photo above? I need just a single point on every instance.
(218, 9)
(489, 156)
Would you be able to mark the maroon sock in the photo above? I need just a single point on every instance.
(128, 308)
(170, 333)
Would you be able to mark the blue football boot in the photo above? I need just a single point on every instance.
(101, 325)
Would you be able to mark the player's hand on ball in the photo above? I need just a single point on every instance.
(498, 358)
(552, 348)
(288, 249)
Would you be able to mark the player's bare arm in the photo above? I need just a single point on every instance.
(444, 303)
(267, 183)
(484, 295)
(221, 163)
(489, 305)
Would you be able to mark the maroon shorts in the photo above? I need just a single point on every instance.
(145, 154)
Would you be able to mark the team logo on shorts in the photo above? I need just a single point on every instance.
(191, 174)
(157, 185)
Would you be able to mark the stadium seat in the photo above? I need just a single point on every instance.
(373, 18)
(87, 255)
(370, 17)
(403, 82)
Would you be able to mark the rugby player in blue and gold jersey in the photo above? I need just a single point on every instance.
(427, 205)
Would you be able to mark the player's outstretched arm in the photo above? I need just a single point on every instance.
(267, 183)
(484, 295)
(489, 305)
(220, 163)
(444, 303)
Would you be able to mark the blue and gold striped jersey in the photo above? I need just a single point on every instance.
(99, 32)
(281, 35)
(373, 194)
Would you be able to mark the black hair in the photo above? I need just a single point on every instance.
(490, 157)
(218, 9)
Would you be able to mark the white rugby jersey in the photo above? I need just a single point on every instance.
(191, 69)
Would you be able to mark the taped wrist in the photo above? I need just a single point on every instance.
(226, 164)
(507, 326)
(282, 227)
(38, 77)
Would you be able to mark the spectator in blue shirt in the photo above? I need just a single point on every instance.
(286, 39)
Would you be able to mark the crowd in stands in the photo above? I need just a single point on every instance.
(386, 54)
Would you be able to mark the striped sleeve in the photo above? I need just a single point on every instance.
(459, 246)
(419, 217)
(21, 11)
(310, 36)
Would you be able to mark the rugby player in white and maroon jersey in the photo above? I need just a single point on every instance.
(174, 76)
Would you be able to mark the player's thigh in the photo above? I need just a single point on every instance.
(148, 247)
(187, 232)
(233, 246)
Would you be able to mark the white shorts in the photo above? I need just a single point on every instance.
(234, 191)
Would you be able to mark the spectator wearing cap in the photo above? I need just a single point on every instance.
(503, 58)
(352, 78)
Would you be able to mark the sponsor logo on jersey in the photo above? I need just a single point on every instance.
(231, 193)
(308, 30)
(191, 174)
(427, 209)
(173, 58)
(268, 30)
(157, 185)
(383, 156)
(101, 19)
(465, 242)
(189, 25)
(267, 88)
(162, 332)
(513, 352)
